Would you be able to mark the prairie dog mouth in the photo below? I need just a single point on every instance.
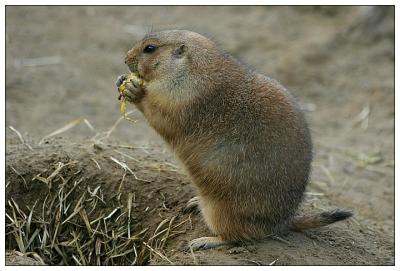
(133, 65)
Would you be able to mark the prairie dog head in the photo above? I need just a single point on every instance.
(174, 62)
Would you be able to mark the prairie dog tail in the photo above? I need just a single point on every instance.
(303, 222)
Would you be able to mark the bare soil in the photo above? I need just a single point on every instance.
(338, 62)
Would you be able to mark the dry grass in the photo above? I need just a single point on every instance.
(20, 137)
(68, 227)
(67, 127)
(74, 224)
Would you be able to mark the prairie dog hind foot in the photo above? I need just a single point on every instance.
(203, 243)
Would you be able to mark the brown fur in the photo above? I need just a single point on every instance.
(239, 134)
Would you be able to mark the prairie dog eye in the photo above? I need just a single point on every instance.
(149, 49)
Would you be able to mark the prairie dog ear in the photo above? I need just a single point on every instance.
(180, 51)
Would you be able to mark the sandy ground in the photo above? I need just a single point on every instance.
(338, 62)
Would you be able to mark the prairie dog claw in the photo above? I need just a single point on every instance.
(206, 243)
(120, 80)
(192, 205)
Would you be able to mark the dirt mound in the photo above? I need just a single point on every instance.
(89, 204)
(82, 203)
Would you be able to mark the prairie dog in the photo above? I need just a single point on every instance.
(239, 134)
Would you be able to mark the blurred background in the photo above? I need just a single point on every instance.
(62, 62)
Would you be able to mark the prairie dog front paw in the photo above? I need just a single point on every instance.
(130, 87)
